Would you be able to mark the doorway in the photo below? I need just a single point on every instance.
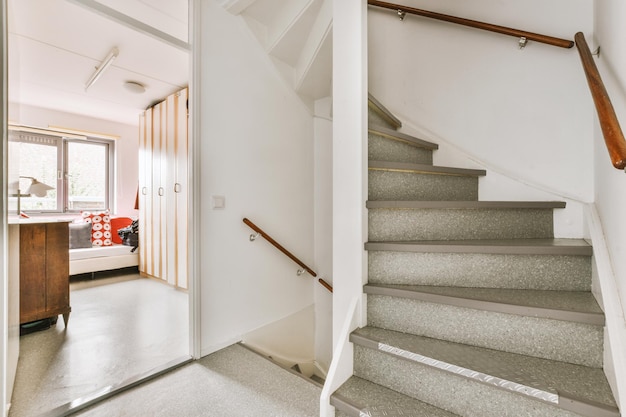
(93, 293)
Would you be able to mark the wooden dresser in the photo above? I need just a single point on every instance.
(44, 270)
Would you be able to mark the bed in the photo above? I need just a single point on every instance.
(91, 250)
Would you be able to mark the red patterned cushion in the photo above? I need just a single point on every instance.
(100, 227)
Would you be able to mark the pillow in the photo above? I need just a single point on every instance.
(100, 227)
(80, 235)
(118, 223)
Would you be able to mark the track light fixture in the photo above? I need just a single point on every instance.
(103, 66)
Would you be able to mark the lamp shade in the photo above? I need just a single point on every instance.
(38, 188)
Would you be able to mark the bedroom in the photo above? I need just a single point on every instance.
(54, 48)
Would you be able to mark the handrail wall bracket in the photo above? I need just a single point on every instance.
(596, 52)
(403, 10)
(523, 41)
(303, 267)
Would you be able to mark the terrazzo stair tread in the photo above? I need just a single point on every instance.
(406, 185)
(539, 272)
(358, 397)
(424, 169)
(542, 380)
(576, 306)
(459, 223)
(573, 247)
(381, 113)
(380, 147)
(403, 137)
(547, 338)
(403, 204)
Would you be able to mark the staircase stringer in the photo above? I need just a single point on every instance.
(606, 291)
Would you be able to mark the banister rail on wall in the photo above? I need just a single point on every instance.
(611, 130)
(286, 252)
(562, 43)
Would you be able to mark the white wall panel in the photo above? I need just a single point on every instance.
(257, 152)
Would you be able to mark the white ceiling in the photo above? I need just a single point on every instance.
(56, 45)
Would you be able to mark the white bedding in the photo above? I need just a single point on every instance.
(100, 251)
(102, 258)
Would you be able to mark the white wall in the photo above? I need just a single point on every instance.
(323, 127)
(126, 147)
(257, 152)
(5, 362)
(610, 183)
(524, 113)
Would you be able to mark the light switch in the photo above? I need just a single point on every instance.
(219, 201)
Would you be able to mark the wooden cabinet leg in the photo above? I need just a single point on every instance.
(66, 318)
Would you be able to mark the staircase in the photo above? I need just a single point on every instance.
(473, 308)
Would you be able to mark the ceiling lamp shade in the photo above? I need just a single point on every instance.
(135, 87)
(103, 66)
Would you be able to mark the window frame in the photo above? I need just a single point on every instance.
(109, 174)
(61, 142)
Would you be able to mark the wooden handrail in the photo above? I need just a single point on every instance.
(562, 43)
(286, 252)
(611, 130)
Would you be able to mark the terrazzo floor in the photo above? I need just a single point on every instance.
(119, 327)
(233, 382)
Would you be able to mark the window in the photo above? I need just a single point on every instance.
(78, 170)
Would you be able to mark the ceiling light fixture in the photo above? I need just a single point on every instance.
(105, 64)
(135, 87)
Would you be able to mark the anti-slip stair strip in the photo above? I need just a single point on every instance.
(399, 204)
(395, 135)
(555, 305)
(543, 395)
(423, 169)
(573, 247)
(572, 387)
(468, 373)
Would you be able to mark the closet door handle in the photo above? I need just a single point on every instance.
(144, 190)
(177, 187)
(161, 191)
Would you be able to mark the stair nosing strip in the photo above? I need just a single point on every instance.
(586, 407)
(383, 111)
(488, 248)
(596, 319)
(537, 394)
(462, 204)
(424, 169)
(345, 404)
(395, 135)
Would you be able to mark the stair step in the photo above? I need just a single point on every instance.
(478, 205)
(388, 145)
(379, 115)
(533, 336)
(358, 397)
(484, 379)
(450, 220)
(424, 169)
(403, 181)
(575, 306)
(540, 272)
(402, 137)
(572, 247)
